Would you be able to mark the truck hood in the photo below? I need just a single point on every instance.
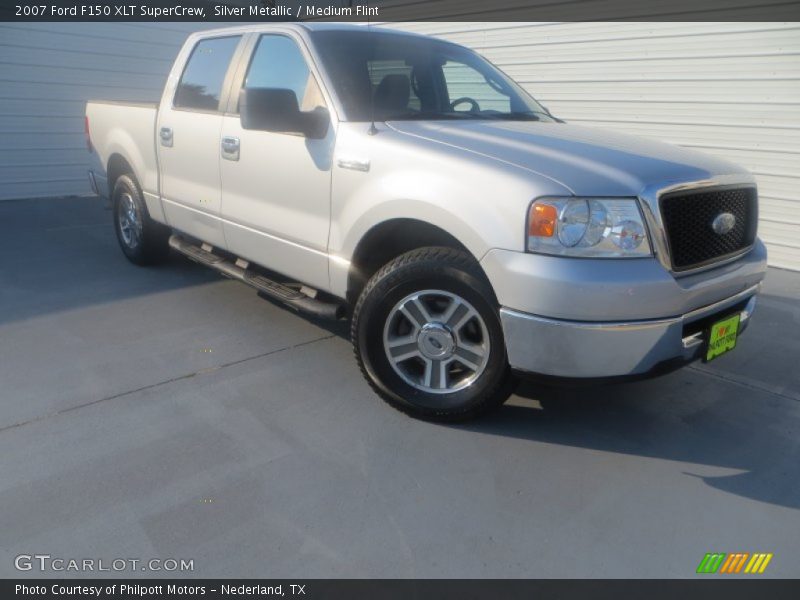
(585, 160)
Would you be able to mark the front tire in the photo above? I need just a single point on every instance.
(142, 240)
(428, 338)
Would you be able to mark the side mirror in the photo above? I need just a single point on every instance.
(273, 109)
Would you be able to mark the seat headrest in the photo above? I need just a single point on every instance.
(393, 92)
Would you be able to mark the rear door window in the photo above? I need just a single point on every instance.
(200, 87)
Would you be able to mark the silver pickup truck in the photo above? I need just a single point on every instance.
(408, 184)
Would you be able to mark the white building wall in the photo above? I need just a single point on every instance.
(730, 89)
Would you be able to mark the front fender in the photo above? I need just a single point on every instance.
(479, 201)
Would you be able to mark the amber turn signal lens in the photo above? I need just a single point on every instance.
(542, 220)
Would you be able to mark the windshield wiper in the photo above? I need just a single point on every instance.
(433, 116)
(518, 116)
(441, 116)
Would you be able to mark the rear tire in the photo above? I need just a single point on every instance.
(142, 240)
(427, 336)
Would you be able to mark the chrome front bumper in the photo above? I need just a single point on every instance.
(577, 349)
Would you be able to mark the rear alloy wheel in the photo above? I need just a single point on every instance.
(130, 222)
(142, 240)
(427, 336)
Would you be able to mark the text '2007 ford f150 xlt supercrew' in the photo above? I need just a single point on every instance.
(407, 183)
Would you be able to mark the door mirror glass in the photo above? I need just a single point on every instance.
(277, 110)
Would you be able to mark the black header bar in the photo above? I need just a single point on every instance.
(399, 10)
(400, 589)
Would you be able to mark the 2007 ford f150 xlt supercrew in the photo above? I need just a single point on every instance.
(406, 182)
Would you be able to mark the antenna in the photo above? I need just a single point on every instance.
(372, 129)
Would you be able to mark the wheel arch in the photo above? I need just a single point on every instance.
(389, 239)
(117, 165)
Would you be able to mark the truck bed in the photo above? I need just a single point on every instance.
(124, 103)
(127, 129)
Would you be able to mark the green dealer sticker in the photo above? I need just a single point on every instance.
(722, 337)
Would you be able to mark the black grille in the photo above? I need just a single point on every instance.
(687, 221)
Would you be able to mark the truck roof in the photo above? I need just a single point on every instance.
(301, 27)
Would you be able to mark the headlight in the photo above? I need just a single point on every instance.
(589, 227)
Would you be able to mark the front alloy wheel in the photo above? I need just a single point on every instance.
(427, 336)
(436, 341)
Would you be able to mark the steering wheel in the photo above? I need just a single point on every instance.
(473, 105)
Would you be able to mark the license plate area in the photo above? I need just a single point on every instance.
(722, 336)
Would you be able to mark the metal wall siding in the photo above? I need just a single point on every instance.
(547, 10)
(729, 89)
(47, 73)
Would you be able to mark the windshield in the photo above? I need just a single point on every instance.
(402, 77)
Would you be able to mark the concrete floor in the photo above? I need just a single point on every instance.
(168, 412)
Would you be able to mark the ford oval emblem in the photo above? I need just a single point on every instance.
(723, 223)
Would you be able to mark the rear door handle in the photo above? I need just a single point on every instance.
(230, 148)
(165, 133)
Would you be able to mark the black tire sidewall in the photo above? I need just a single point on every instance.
(153, 244)
(374, 309)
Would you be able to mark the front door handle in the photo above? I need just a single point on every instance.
(230, 148)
